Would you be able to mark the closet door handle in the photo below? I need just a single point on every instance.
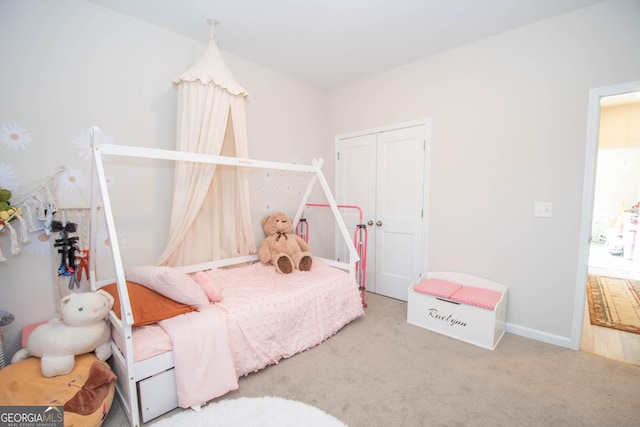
(378, 223)
(370, 222)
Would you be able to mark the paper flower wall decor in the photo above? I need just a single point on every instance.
(14, 136)
(103, 243)
(73, 180)
(83, 144)
(8, 178)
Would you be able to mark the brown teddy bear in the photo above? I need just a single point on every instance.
(285, 251)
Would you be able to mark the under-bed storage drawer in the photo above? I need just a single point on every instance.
(468, 323)
(157, 395)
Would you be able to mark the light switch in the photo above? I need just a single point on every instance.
(543, 210)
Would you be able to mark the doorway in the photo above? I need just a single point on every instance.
(613, 250)
(610, 212)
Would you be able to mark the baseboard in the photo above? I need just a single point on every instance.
(538, 335)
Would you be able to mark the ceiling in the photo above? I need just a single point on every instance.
(327, 43)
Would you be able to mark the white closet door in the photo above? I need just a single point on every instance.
(399, 210)
(356, 185)
(384, 174)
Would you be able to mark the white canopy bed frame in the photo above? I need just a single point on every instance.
(128, 371)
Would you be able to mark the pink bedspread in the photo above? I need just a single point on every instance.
(268, 316)
(271, 316)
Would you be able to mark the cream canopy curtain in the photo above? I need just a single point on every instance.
(210, 216)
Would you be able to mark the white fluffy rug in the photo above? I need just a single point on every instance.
(250, 412)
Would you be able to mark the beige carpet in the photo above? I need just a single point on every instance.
(379, 371)
(614, 303)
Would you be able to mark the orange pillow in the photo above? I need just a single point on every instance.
(147, 306)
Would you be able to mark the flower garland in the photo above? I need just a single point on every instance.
(43, 195)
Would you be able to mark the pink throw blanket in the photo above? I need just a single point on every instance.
(202, 358)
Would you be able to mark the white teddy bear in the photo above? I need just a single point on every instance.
(83, 329)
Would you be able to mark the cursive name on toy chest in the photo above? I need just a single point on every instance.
(450, 320)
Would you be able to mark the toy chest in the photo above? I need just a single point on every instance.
(455, 307)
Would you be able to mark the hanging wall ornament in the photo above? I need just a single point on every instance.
(70, 251)
(16, 217)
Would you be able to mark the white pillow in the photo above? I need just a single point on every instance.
(170, 282)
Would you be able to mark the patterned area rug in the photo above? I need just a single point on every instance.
(614, 303)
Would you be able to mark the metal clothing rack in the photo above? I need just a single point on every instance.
(360, 240)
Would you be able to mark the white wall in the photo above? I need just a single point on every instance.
(69, 65)
(509, 119)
